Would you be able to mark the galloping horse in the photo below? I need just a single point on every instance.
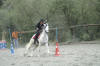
(43, 39)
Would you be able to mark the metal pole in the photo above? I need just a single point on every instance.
(11, 46)
(56, 34)
(10, 34)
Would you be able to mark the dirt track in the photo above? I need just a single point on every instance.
(71, 55)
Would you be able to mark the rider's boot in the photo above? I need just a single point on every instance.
(35, 41)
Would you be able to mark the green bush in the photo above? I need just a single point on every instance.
(86, 37)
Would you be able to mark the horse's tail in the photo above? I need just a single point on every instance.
(28, 45)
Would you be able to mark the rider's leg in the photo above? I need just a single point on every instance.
(36, 37)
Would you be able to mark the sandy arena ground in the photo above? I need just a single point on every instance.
(71, 55)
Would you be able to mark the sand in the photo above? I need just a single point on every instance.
(70, 55)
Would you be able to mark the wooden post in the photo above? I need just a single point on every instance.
(3, 35)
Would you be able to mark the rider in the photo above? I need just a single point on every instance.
(39, 28)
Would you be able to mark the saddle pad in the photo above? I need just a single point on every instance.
(33, 37)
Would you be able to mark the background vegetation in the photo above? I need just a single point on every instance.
(24, 15)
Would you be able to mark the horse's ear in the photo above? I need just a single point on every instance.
(46, 24)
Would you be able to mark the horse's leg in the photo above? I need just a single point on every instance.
(28, 46)
(38, 49)
(33, 49)
(35, 46)
(47, 47)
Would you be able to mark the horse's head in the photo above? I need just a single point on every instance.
(46, 27)
(44, 34)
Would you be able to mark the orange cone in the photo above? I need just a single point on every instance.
(57, 50)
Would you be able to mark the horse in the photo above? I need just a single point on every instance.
(43, 39)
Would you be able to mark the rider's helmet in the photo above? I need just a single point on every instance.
(41, 21)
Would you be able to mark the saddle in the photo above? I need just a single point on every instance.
(33, 37)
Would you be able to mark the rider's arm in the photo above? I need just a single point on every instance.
(37, 26)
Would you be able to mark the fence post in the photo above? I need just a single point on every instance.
(10, 34)
(56, 34)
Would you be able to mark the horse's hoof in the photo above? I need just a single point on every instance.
(31, 55)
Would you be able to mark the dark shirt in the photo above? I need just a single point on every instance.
(39, 26)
